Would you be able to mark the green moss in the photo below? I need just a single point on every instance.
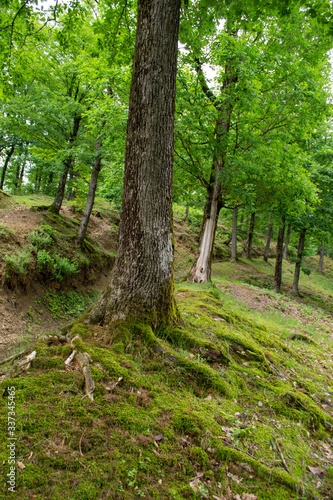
(200, 456)
(47, 362)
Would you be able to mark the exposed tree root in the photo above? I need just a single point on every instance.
(205, 373)
(22, 365)
(14, 356)
(83, 360)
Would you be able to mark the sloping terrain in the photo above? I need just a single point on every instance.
(234, 403)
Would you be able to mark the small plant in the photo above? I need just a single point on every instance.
(64, 267)
(62, 305)
(18, 262)
(39, 239)
(6, 233)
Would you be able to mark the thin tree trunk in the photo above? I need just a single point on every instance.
(91, 194)
(56, 205)
(285, 250)
(234, 234)
(141, 284)
(279, 258)
(321, 258)
(4, 168)
(300, 251)
(186, 213)
(70, 195)
(250, 238)
(269, 239)
(201, 270)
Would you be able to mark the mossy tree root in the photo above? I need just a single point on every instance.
(204, 373)
(279, 475)
(207, 349)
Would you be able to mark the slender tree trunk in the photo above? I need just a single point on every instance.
(56, 205)
(269, 239)
(91, 194)
(22, 172)
(70, 195)
(201, 270)
(279, 258)
(141, 284)
(285, 250)
(300, 251)
(4, 168)
(250, 238)
(186, 213)
(321, 258)
(234, 234)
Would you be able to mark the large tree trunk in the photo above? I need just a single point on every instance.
(141, 284)
(269, 239)
(4, 168)
(279, 258)
(285, 251)
(201, 270)
(234, 234)
(250, 238)
(321, 258)
(91, 194)
(300, 251)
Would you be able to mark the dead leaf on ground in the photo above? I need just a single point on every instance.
(316, 471)
(20, 465)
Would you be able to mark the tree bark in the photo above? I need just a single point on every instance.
(269, 239)
(300, 252)
(201, 270)
(4, 168)
(250, 238)
(285, 251)
(186, 213)
(234, 234)
(279, 258)
(91, 194)
(141, 284)
(321, 258)
(56, 205)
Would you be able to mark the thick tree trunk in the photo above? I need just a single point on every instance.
(141, 284)
(279, 258)
(201, 270)
(91, 194)
(234, 234)
(321, 258)
(4, 168)
(269, 239)
(300, 251)
(250, 238)
(56, 205)
(285, 250)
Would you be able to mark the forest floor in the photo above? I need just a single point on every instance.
(241, 407)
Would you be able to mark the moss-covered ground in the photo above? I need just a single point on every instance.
(236, 407)
(234, 403)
